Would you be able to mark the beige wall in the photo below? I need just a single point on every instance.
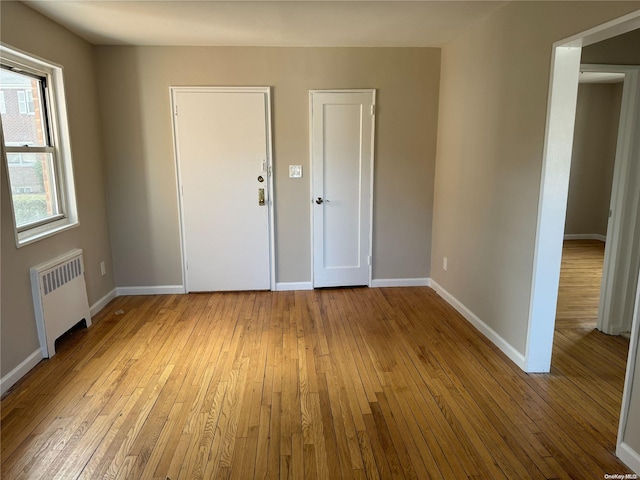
(593, 158)
(23, 28)
(493, 106)
(143, 206)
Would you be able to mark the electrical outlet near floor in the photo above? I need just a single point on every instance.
(103, 269)
(444, 263)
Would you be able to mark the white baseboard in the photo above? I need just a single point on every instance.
(287, 286)
(629, 457)
(486, 330)
(378, 282)
(153, 290)
(400, 282)
(10, 379)
(100, 304)
(585, 236)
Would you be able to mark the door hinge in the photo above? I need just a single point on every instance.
(373, 109)
(369, 260)
(175, 110)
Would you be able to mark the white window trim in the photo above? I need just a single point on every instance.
(62, 144)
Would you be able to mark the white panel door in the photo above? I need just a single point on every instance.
(222, 144)
(342, 129)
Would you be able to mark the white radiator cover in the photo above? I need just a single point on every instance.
(59, 298)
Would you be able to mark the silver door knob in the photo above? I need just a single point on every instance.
(319, 200)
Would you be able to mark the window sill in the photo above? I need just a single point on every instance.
(39, 233)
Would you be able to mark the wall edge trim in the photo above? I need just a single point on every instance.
(100, 304)
(400, 282)
(289, 286)
(11, 378)
(514, 355)
(629, 456)
(585, 236)
(151, 290)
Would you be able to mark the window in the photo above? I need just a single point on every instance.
(22, 102)
(26, 102)
(36, 149)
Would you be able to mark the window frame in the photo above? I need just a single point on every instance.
(59, 145)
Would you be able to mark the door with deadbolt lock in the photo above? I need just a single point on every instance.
(223, 144)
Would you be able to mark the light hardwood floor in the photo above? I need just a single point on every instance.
(343, 383)
(580, 279)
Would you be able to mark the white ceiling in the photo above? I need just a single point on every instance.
(267, 23)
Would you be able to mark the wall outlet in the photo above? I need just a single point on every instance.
(103, 269)
(444, 263)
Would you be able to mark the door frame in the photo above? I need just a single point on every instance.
(621, 193)
(371, 91)
(266, 91)
(554, 186)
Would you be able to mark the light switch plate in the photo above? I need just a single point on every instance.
(295, 171)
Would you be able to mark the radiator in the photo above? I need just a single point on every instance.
(59, 298)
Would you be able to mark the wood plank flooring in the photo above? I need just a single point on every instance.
(580, 279)
(344, 383)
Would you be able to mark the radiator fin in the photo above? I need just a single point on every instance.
(60, 276)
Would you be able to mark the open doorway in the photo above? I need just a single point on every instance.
(593, 160)
(618, 289)
(623, 242)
